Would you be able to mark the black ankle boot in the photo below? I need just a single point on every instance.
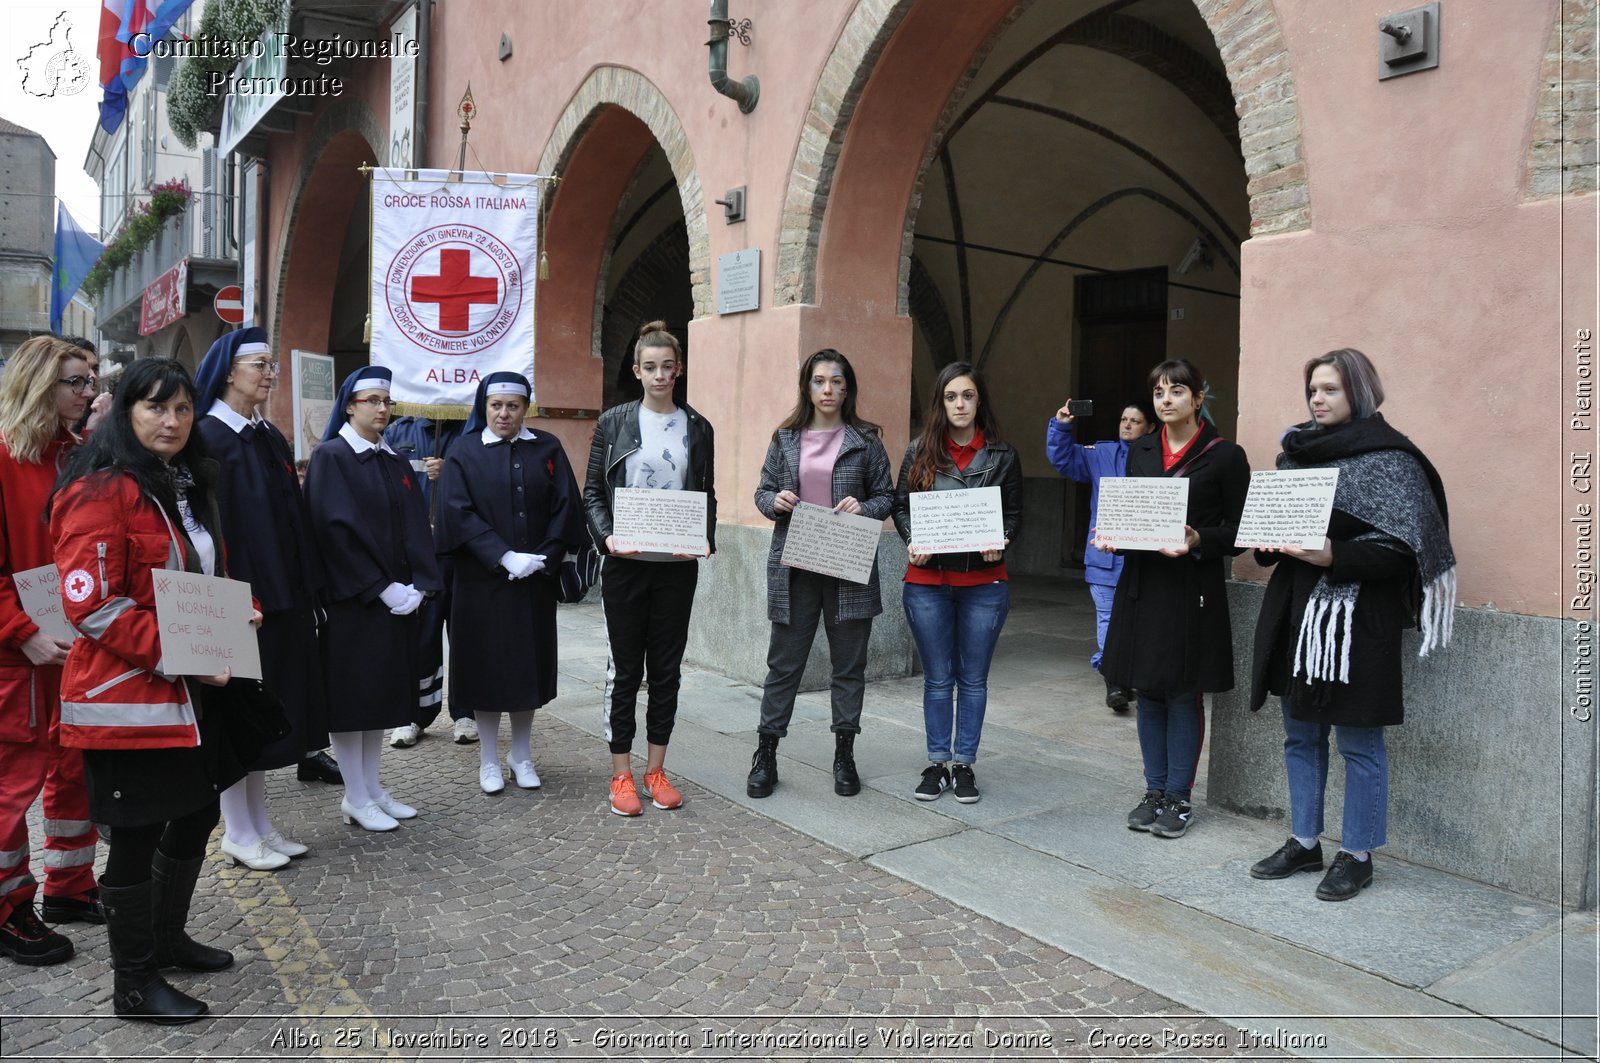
(172, 883)
(1116, 697)
(763, 767)
(846, 783)
(138, 990)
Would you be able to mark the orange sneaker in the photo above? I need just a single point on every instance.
(660, 791)
(624, 798)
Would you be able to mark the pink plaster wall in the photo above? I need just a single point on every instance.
(1423, 255)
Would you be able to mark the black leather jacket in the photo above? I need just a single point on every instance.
(996, 465)
(616, 435)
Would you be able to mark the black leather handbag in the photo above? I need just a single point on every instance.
(579, 572)
(250, 716)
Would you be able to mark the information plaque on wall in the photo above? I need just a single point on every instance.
(739, 281)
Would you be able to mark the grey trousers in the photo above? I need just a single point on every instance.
(813, 597)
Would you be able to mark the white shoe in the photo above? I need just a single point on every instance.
(257, 857)
(368, 815)
(466, 731)
(403, 737)
(527, 778)
(279, 844)
(490, 780)
(397, 809)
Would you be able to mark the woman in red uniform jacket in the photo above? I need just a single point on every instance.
(139, 496)
(45, 390)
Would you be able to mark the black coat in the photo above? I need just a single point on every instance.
(372, 530)
(1385, 570)
(519, 496)
(1169, 621)
(267, 525)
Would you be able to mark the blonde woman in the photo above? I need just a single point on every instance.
(46, 388)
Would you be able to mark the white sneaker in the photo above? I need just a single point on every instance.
(396, 809)
(403, 737)
(466, 731)
(490, 780)
(527, 778)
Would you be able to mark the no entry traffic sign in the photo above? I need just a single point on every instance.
(229, 304)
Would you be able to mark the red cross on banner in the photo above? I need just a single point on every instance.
(455, 289)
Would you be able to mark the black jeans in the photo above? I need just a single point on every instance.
(647, 606)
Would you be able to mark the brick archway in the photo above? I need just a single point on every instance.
(869, 64)
(593, 110)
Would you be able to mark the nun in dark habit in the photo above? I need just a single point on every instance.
(510, 510)
(268, 531)
(377, 554)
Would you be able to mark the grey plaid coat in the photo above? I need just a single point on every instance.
(861, 470)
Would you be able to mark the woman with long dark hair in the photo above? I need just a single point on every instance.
(510, 512)
(826, 455)
(45, 390)
(1169, 640)
(956, 604)
(268, 529)
(1328, 638)
(652, 442)
(377, 554)
(139, 496)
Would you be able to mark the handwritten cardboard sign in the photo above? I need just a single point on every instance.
(1141, 512)
(205, 625)
(40, 592)
(1290, 507)
(843, 545)
(659, 522)
(957, 522)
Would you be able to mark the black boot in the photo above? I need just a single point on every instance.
(1116, 697)
(846, 783)
(763, 767)
(172, 884)
(138, 990)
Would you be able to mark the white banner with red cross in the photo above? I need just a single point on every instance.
(454, 263)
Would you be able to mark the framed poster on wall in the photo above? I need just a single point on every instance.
(314, 390)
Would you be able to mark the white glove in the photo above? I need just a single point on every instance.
(521, 566)
(394, 596)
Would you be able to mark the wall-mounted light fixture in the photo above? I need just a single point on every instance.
(1408, 42)
(733, 206)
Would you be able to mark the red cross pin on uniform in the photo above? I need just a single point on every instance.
(78, 585)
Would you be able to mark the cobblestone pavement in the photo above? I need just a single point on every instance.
(534, 924)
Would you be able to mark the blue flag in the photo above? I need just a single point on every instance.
(76, 254)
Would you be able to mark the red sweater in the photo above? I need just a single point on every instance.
(24, 536)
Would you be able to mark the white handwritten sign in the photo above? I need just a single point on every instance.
(659, 522)
(957, 522)
(205, 625)
(1287, 508)
(1141, 512)
(844, 545)
(40, 592)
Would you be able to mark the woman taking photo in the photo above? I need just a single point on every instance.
(45, 390)
(956, 604)
(1169, 639)
(371, 530)
(1087, 464)
(1328, 638)
(140, 496)
(827, 456)
(509, 512)
(653, 443)
(268, 530)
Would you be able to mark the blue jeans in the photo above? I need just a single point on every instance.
(1366, 780)
(1102, 619)
(956, 629)
(1172, 728)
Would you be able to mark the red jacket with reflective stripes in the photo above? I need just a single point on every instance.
(108, 536)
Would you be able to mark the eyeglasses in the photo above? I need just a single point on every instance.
(264, 366)
(375, 402)
(81, 383)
